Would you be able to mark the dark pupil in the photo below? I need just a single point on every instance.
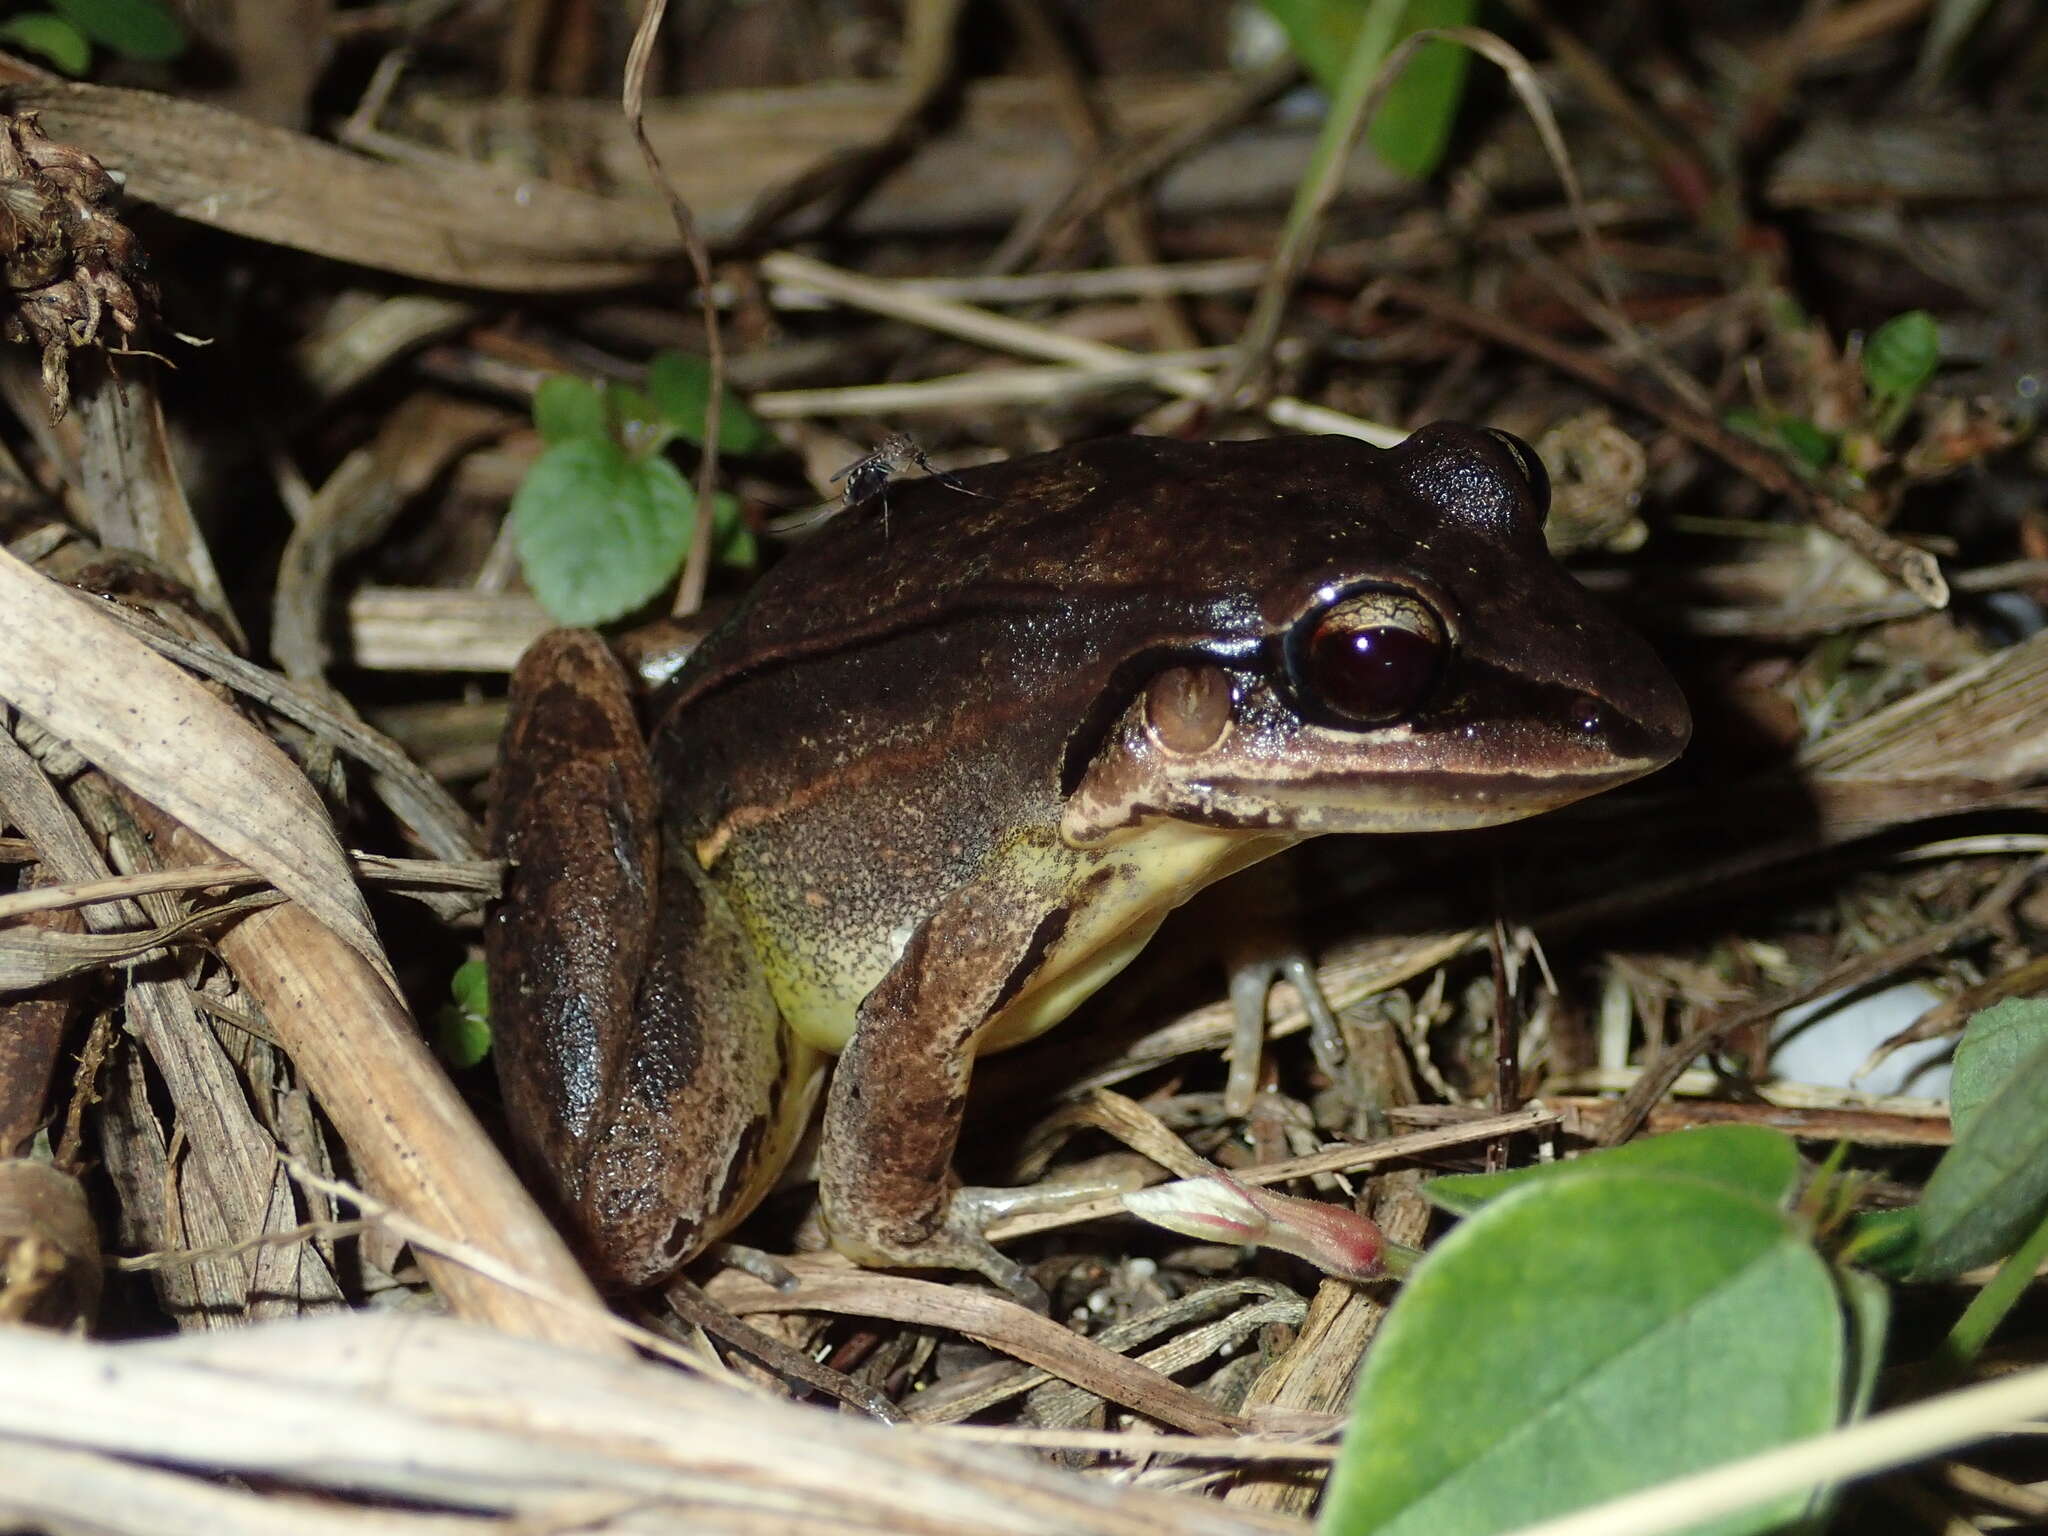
(1374, 673)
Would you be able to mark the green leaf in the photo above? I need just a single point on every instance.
(1812, 448)
(1990, 1190)
(1584, 1338)
(599, 533)
(635, 424)
(681, 387)
(1994, 1044)
(470, 986)
(1805, 442)
(1751, 1159)
(135, 29)
(1901, 355)
(566, 407)
(462, 1030)
(52, 37)
(1413, 124)
(1321, 33)
(1868, 1302)
(1884, 1242)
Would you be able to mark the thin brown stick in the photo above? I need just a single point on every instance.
(697, 567)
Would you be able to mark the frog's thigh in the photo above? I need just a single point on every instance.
(643, 1065)
(894, 1108)
(574, 810)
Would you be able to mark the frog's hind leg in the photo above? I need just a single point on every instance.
(648, 1081)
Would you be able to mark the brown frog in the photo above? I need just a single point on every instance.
(939, 779)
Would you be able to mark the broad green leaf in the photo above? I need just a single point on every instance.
(599, 533)
(1902, 355)
(1748, 1158)
(462, 1031)
(135, 29)
(1584, 1338)
(1990, 1190)
(1994, 1044)
(1413, 123)
(50, 37)
(1320, 32)
(681, 389)
(566, 408)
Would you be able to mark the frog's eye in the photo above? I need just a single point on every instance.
(1369, 658)
(1531, 466)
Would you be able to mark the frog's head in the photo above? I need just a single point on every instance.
(1412, 660)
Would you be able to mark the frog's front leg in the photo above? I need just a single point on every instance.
(648, 1081)
(898, 1095)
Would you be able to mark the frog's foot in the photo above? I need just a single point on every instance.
(1254, 967)
(955, 1243)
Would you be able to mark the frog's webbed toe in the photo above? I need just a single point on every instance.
(957, 1243)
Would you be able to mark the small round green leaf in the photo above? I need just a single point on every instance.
(600, 533)
(50, 37)
(1902, 355)
(462, 1029)
(470, 986)
(1750, 1158)
(135, 29)
(461, 1039)
(566, 407)
(1581, 1339)
(680, 386)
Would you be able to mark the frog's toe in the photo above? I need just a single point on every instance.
(1253, 970)
(956, 1243)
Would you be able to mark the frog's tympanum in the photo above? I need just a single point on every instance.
(941, 776)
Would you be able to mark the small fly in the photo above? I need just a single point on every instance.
(894, 455)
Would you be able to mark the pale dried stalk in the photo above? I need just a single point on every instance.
(383, 1408)
(83, 678)
(999, 331)
(972, 391)
(441, 629)
(1348, 1158)
(408, 1130)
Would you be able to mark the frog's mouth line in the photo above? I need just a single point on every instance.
(1422, 800)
